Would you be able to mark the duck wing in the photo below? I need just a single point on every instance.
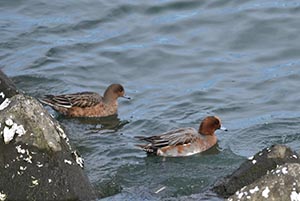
(171, 138)
(83, 99)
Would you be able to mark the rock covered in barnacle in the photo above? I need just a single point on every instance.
(282, 183)
(33, 151)
(11, 129)
(255, 167)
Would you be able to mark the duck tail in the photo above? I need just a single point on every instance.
(47, 100)
(146, 148)
(140, 137)
(56, 101)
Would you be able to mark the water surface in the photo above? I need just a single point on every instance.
(180, 61)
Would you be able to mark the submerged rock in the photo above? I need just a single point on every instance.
(37, 161)
(254, 168)
(282, 183)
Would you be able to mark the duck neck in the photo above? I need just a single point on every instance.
(206, 131)
(109, 100)
(109, 97)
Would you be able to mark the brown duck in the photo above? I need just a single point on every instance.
(184, 141)
(87, 104)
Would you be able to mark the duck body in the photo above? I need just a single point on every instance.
(86, 104)
(183, 141)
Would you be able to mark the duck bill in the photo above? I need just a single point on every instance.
(223, 128)
(126, 97)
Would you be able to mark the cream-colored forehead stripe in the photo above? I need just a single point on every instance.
(218, 118)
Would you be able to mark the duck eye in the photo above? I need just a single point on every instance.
(217, 123)
(120, 90)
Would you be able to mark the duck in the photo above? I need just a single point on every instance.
(87, 104)
(183, 141)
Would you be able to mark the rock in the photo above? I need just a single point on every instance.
(7, 90)
(254, 168)
(282, 183)
(7, 87)
(37, 161)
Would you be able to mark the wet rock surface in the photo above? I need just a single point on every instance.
(7, 87)
(37, 161)
(282, 183)
(254, 168)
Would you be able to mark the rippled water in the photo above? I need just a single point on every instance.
(180, 61)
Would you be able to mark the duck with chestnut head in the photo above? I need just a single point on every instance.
(184, 141)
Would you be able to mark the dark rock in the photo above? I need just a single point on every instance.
(7, 87)
(37, 161)
(282, 183)
(254, 168)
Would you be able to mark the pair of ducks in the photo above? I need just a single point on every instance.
(178, 142)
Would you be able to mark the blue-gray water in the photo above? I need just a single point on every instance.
(179, 61)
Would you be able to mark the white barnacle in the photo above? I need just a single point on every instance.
(20, 130)
(28, 159)
(265, 192)
(240, 195)
(254, 161)
(11, 129)
(61, 132)
(254, 190)
(251, 158)
(5, 104)
(242, 189)
(295, 196)
(79, 160)
(68, 162)
(8, 134)
(35, 182)
(3, 196)
(39, 164)
(284, 170)
(9, 122)
(49, 181)
(20, 150)
(295, 156)
(23, 168)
